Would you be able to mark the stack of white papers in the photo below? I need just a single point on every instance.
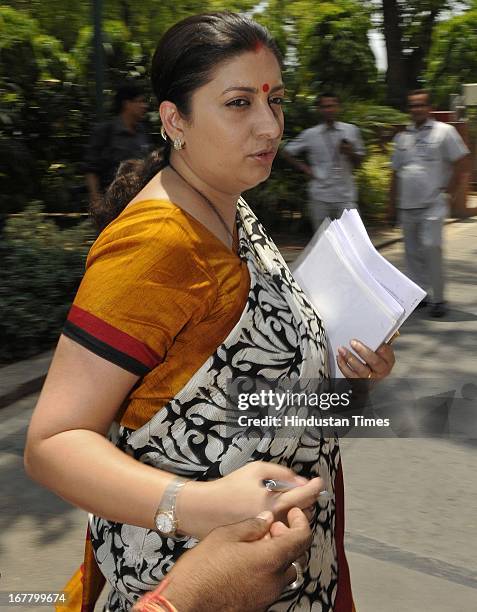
(355, 290)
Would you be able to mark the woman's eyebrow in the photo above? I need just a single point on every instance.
(251, 89)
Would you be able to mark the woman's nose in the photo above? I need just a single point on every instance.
(269, 122)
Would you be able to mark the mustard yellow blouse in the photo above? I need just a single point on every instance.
(159, 295)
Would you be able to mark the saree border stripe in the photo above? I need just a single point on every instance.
(104, 350)
(344, 596)
(113, 337)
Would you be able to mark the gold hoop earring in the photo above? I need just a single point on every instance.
(163, 133)
(178, 144)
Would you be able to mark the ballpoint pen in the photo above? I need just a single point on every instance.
(280, 486)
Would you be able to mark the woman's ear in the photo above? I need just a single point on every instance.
(171, 120)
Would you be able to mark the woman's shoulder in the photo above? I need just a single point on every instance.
(147, 231)
(147, 220)
(144, 218)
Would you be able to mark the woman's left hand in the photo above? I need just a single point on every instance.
(377, 364)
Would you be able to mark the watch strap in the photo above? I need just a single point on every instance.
(168, 502)
(169, 497)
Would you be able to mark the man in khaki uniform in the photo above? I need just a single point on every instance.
(427, 164)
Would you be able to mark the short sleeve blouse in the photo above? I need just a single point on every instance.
(159, 294)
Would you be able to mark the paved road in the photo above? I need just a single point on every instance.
(411, 503)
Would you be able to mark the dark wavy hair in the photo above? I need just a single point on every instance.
(185, 59)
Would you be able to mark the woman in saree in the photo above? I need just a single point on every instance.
(183, 292)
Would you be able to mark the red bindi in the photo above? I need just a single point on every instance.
(265, 87)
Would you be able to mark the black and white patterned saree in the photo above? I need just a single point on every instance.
(279, 337)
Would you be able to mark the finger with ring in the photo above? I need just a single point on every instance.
(344, 359)
(374, 361)
(357, 365)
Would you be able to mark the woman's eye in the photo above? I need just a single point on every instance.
(239, 103)
(278, 101)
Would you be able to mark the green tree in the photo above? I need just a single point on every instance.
(145, 20)
(36, 98)
(453, 57)
(327, 45)
(123, 57)
(408, 28)
(57, 18)
(42, 267)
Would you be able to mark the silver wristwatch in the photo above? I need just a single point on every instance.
(165, 518)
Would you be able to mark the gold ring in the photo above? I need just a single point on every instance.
(370, 375)
(393, 337)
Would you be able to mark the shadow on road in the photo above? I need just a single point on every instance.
(48, 516)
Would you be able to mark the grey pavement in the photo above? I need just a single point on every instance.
(23, 377)
(42, 536)
(411, 503)
(42, 539)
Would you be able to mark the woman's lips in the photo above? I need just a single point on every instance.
(265, 157)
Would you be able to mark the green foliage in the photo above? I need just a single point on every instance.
(57, 18)
(41, 269)
(373, 179)
(376, 122)
(27, 54)
(280, 199)
(145, 21)
(328, 44)
(123, 57)
(300, 113)
(408, 27)
(416, 15)
(38, 103)
(335, 51)
(453, 57)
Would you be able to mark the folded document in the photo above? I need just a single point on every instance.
(355, 290)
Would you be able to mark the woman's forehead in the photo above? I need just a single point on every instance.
(258, 69)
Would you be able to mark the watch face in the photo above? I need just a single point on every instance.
(164, 522)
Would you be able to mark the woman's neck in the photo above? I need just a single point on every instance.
(224, 203)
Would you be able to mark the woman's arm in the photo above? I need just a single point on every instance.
(66, 448)
(68, 453)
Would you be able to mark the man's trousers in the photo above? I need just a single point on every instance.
(422, 230)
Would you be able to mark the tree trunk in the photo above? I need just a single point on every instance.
(396, 80)
(415, 63)
(126, 13)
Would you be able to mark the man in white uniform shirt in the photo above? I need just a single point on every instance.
(427, 164)
(332, 150)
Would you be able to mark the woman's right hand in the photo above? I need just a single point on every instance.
(203, 506)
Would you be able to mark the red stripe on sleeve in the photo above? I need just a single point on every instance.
(112, 336)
